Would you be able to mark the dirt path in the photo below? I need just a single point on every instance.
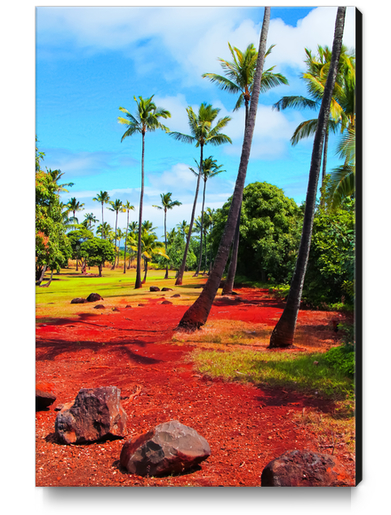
(246, 426)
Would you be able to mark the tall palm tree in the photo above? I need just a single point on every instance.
(283, 333)
(342, 107)
(102, 197)
(239, 78)
(210, 169)
(117, 207)
(202, 133)
(128, 207)
(167, 204)
(74, 205)
(198, 312)
(150, 247)
(146, 120)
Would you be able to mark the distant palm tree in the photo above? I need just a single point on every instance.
(183, 229)
(283, 333)
(146, 120)
(202, 134)
(116, 206)
(198, 313)
(167, 203)
(120, 234)
(128, 207)
(210, 169)
(105, 230)
(89, 220)
(102, 197)
(150, 247)
(74, 205)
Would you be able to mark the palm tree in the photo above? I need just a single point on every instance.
(89, 220)
(128, 207)
(283, 333)
(120, 234)
(116, 206)
(167, 203)
(102, 197)
(183, 229)
(132, 239)
(239, 78)
(342, 179)
(146, 120)
(198, 312)
(209, 169)
(105, 230)
(74, 205)
(239, 75)
(56, 176)
(202, 134)
(342, 108)
(150, 247)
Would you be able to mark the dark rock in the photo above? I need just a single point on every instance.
(78, 300)
(304, 468)
(99, 306)
(94, 297)
(44, 397)
(154, 288)
(166, 302)
(128, 306)
(169, 448)
(114, 309)
(166, 289)
(95, 414)
(175, 295)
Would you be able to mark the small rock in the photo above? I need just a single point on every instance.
(114, 309)
(304, 468)
(99, 306)
(154, 288)
(169, 448)
(44, 396)
(166, 289)
(95, 414)
(78, 300)
(175, 295)
(166, 302)
(128, 306)
(94, 297)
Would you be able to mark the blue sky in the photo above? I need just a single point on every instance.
(92, 60)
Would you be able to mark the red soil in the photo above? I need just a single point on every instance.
(246, 426)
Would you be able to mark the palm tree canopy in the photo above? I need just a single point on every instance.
(146, 118)
(116, 206)
(167, 203)
(102, 197)
(239, 74)
(201, 127)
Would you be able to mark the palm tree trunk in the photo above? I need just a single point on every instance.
(115, 240)
(181, 270)
(283, 333)
(145, 270)
(126, 238)
(202, 230)
(229, 282)
(198, 312)
(165, 239)
(140, 217)
(102, 235)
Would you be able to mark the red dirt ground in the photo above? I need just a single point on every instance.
(246, 426)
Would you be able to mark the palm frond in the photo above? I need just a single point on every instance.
(295, 102)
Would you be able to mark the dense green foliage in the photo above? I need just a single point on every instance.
(330, 273)
(96, 251)
(269, 232)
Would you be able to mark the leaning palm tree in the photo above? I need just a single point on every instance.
(202, 133)
(117, 207)
(167, 203)
(102, 197)
(198, 312)
(74, 205)
(210, 169)
(128, 207)
(238, 78)
(283, 333)
(146, 120)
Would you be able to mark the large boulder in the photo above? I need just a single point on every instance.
(303, 468)
(95, 414)
(169, 448)
(94, 297)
